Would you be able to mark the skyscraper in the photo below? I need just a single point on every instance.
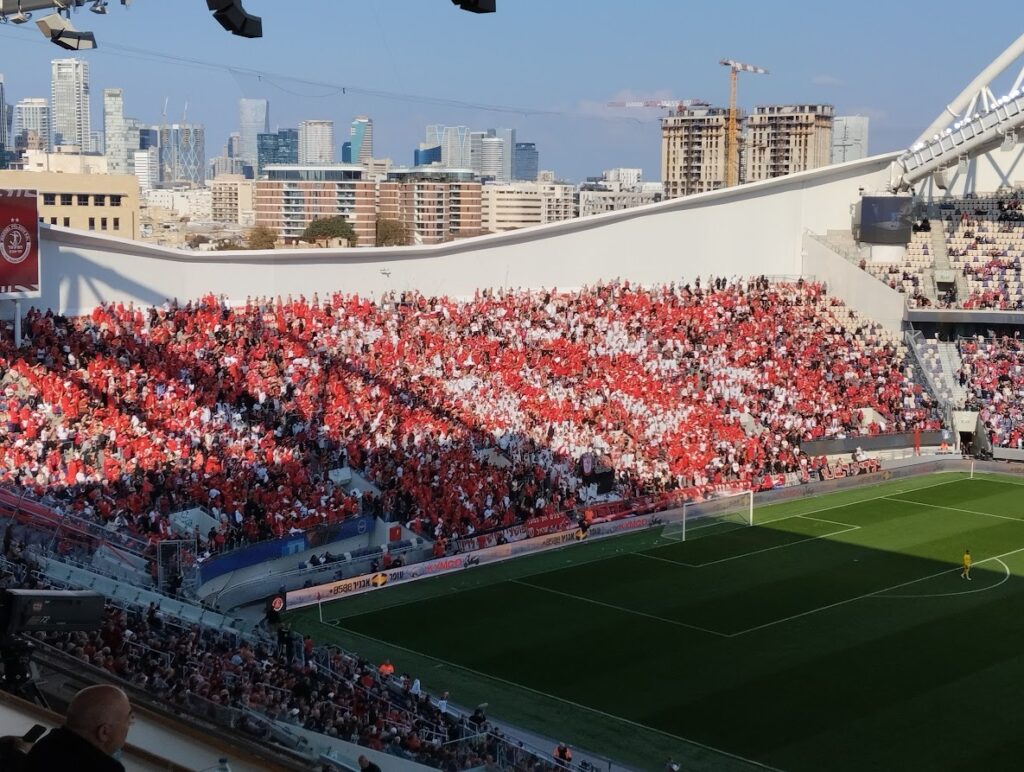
(476, 151)
(6, 118)
(32, 118)
(183, 154)
(455, 145)
(508, 138)
(70, 123)
(361, 136)
(316, 142)
(279, 148)
(849, 138)
(115, 133)
(253, 120)
(525, 161)
(146, 165)
(492, 158)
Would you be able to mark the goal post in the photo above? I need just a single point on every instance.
(712, 516)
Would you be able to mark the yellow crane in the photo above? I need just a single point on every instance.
(732, 169)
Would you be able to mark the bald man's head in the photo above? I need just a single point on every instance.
(101, 715)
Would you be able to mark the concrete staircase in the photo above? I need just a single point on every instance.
(941, 363)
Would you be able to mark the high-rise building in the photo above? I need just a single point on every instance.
(693, 150)
(279, 148)
(253, 120)
(508, 139)
(146, 164)
(6, 119)
(115, 133)
(70, 123)
(32, 116)
(316, 143)
(476, 151)
(525, 161)
(849, 138)
(346, 152)
(149, 136)
(183, 154)
(783, 139)
(425, 155)
(234, 145)
(361, 136)
(454, 142)
(492, 158)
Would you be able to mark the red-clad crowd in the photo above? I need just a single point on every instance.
(464, 414)
(993, 374)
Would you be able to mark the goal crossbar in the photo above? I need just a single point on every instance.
(736, 509)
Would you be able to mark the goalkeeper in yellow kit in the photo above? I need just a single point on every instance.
(966, 572)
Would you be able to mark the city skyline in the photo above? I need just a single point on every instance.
(563, 111)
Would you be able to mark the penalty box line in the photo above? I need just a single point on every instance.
(873, 593)
(556, 698)
(846, 529)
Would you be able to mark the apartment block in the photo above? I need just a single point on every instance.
(232, 199)
(693, 150)
(783, 139)
(292, 196)
(434, 204)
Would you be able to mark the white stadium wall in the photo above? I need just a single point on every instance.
(750, 230)
(856, 288)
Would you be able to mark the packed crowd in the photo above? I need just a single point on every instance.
(993, 374)
(199, 670)
(464, 414)
(986, 245)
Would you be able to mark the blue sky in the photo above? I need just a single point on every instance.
(897, 62)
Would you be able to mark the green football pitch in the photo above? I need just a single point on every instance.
(836, 633)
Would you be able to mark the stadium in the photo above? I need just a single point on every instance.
(690, 485)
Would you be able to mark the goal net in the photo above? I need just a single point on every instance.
(722, 513)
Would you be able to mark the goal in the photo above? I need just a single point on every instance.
(724, 512)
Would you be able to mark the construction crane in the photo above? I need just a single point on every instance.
(666, 104)
(732, 169)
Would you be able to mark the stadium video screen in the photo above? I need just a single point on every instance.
(886, 219)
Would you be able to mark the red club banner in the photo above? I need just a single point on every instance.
(19, 244)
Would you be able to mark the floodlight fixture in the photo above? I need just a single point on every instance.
(477, 6)
(63, 34)
(233, 17)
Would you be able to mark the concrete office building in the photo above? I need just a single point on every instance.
(316, 143)
(70, 122)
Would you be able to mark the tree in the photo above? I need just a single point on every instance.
(327, 229)
(261, 237)
(391, 233)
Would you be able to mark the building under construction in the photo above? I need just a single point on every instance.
(773, 141)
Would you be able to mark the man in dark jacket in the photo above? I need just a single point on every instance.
(95, 728)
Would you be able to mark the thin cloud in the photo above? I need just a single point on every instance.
(826, 80)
